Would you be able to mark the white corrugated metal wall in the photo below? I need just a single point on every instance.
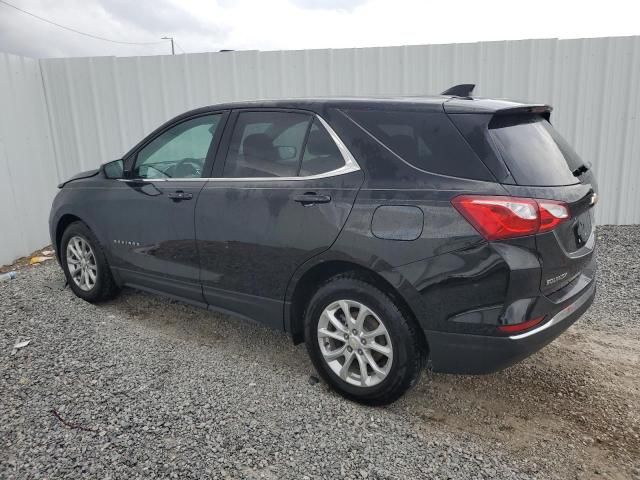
(28, 175)
(99, 107)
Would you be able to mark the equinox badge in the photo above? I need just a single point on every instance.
(551, 281)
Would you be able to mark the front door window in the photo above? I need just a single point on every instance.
(180, 152)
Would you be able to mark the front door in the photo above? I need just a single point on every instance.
(151, 227)
(283, 192)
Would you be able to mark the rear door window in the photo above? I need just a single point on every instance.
(266, 144)
(428, 141)
(534, 151)
(321, 154)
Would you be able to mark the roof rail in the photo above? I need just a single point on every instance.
(462, 90)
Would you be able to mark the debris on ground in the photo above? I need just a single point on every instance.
(35, 260)
(18, 345)
(24, 262)
(8, 276)
(74, 426)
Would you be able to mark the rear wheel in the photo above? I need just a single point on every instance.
(85, 265)
(361, 342)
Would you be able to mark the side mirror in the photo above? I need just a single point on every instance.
(114, 169)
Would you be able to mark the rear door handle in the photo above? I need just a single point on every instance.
(311, 198)
(179, 195)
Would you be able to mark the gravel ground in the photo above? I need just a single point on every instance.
(143, 386)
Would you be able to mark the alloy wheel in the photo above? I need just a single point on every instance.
(81, 262)
(355, 343)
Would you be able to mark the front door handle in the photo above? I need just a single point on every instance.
(311, 198)
(179, 195)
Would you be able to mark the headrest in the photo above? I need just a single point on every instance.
(257, 144)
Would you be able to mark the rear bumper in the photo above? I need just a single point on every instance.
(477, 354)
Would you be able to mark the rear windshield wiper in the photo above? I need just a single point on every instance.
(580, 170)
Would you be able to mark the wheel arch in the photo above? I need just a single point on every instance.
(319, 273)
(64, 221)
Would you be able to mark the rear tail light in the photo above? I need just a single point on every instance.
(552, 214)
(498, 218)
(521, 327)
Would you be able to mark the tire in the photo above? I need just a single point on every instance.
(100, 285)
(407, 355)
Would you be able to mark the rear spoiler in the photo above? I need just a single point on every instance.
(463, 102)
(543, 110)
(489, 106)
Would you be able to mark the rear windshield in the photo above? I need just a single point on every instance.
(534, 151)
(428, 141)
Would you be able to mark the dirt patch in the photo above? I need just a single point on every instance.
(576, 403)
(175, 319)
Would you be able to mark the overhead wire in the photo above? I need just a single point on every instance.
(97, 37)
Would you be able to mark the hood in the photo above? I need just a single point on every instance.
(78, 176)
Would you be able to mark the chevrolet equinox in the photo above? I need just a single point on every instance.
(384, 233)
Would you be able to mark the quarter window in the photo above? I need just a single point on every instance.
(180, 152)
(429, 141)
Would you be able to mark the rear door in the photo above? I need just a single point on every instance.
(283, 187)
(543, 165)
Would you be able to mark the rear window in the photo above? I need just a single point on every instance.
(534, 151)
(428, 141)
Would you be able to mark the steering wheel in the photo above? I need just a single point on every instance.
(182, 170)
(158, 170)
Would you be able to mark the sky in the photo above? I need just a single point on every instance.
(212, 25)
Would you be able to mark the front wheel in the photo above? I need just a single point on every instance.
(361, 342)
(85, 264)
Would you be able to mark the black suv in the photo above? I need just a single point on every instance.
(384, 233)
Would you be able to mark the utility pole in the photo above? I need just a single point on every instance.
(173, 51)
